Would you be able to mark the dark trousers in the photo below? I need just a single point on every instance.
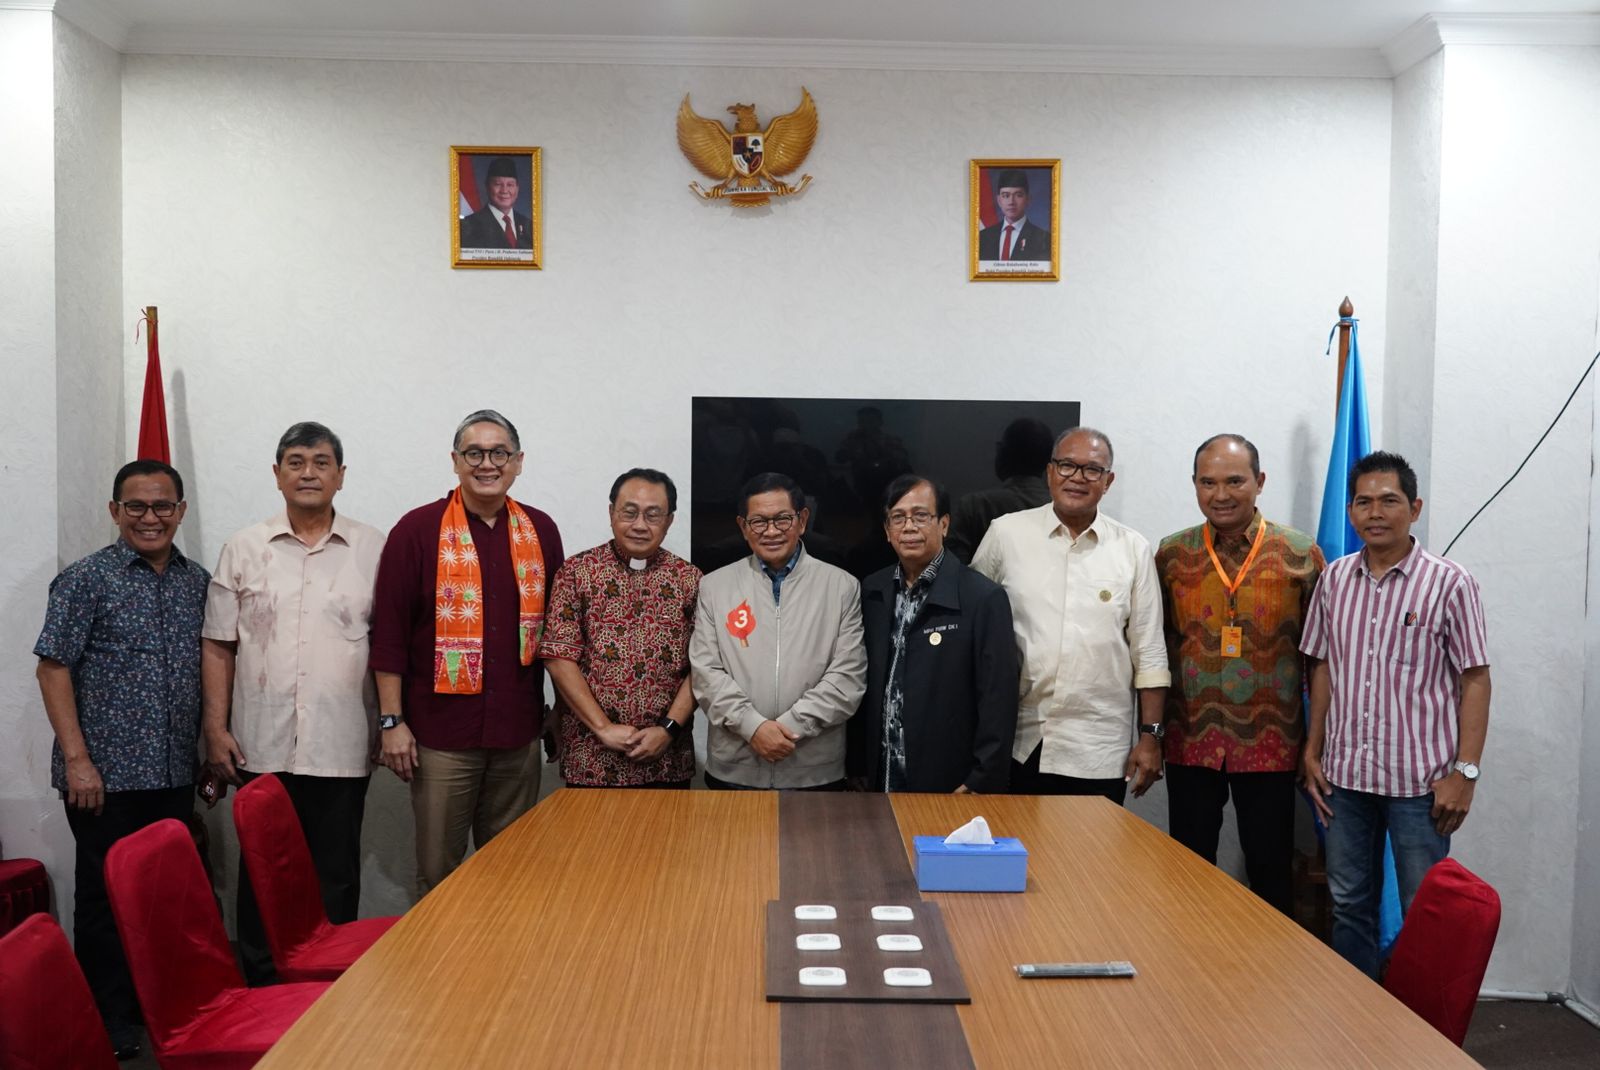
(1264, 804)
(727, 785)
(330, 809)
(94, 930)
(1027, 780)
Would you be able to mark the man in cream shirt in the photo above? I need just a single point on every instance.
(283, 670)
(1087, 609)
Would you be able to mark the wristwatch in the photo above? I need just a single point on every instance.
(1468, 770)
(672, 727)
(387, 721)
(1159, 730)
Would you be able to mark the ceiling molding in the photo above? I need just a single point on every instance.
(1432, 32)
(759, 52)
(98, 18)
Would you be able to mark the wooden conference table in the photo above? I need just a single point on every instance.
(625, 929)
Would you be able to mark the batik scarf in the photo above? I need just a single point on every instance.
(458, 598)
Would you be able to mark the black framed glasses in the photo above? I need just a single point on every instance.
(1091, 473)
(780, 523)
(919, 518)
(474, 456)
(137, 509)
(654, 517)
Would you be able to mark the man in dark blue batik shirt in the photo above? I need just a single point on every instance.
(119, 669)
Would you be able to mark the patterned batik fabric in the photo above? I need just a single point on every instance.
(458, 599)
(1243, 714)
(908, 603)
(131, 636)
(628, 631)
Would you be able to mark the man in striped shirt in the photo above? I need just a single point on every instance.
(1399, 703)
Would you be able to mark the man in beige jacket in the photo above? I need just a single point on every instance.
(777, 656)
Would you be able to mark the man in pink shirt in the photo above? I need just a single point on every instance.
(284, 676)
(1399, 703)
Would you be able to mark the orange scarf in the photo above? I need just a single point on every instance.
(458, 599)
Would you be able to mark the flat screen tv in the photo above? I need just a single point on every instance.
(844, 452)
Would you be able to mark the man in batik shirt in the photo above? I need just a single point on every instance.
(1235, 591)
(119, 671)
(617, 647)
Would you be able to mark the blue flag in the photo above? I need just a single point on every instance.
(1352, 440)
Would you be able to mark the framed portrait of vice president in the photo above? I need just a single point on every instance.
(1015, 220)
(495, 217)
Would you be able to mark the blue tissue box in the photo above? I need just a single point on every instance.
(970, 867)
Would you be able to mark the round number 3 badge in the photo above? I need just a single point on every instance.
(741, 622)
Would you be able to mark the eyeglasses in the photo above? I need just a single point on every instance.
(919, 518)
(135, 510)
(1091, 473)
(474, 456)
(652, 517)
(780, 523)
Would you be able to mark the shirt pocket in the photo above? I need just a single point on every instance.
(1414, 644)
(131, 626)
(349, 615)
(1109, 600)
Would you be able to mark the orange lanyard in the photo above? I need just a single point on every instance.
(1233, 584)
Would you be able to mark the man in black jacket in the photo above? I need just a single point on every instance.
(941, 704)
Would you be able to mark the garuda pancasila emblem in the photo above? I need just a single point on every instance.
(746, 163)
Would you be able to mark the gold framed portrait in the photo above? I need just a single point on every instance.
(495, 214)
(1015, 220)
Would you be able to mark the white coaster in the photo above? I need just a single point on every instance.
(815, 912)
(891, 913)
(907, 977)
(829, 976)
(899, 942)
(818, 941)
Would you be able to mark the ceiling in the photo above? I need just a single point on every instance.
(1363, 24)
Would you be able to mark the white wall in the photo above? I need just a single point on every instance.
(1518, 281)
(290, 218)
(1586, 879)
(1414, 189)
(89, 311)
(32, 823)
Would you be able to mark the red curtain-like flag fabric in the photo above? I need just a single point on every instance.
(467, 181)
(153, 444)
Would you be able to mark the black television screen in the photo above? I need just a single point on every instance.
(844, 452)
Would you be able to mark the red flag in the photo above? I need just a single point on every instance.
(467, 183)
(153, 445)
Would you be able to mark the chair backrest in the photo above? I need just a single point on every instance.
(1443, 948)
(273, 846)
(48, 1019)
(171, 928)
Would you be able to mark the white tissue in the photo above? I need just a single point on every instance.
(974, 831)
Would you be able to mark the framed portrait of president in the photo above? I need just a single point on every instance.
(495, 218)
(1014, 219)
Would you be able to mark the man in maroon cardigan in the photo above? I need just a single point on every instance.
(472, 759)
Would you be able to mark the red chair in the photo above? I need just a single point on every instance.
(24, 890)
(197, 1009)
(1443, 948)
(48, 1020)
(305, 945)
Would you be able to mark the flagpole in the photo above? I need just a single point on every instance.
(1346, 311)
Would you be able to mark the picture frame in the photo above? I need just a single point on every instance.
(480, 229)
(1031, 251)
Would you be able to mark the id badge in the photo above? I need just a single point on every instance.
(1232, 642)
